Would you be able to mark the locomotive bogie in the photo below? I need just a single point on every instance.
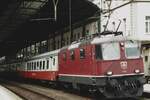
(123, 87)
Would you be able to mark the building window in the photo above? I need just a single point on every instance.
(147, 24)
(146, 58)
(67, 40)
(87, 32)
(78, 36)
(44, 46)
(82, 53)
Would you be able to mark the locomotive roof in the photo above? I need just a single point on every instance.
(118, 38)
(101, 39)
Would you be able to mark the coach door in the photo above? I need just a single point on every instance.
(54, 63)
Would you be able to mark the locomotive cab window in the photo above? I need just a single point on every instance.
(82, 53)
(111, 51)
(72, 55)
(132, 49)
(98, 51)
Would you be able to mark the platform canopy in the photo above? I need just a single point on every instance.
(26, 21)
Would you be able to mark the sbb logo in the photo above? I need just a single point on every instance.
(123, 65)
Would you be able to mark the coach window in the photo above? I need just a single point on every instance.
(72, 56)
(40, 65)
(34, 65)
(30, 66)
(27, 66)
(37, 64)
(43, 64)
(47, 64)
(98, 51)
(82, 53)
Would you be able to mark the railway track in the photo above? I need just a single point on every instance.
(35, 92)
(26, 94)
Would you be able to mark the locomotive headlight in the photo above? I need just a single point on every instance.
(109, 73)
(137, 71)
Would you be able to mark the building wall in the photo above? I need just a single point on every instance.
(146, 59)
(57, 42)
(132, 17)
(66, 38)
(143, 10)
(50, 45)
(122, 15)
(77, 33)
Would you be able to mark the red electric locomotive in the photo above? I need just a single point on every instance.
(111, 65)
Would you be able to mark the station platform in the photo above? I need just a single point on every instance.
(5, 94)
(147, 88)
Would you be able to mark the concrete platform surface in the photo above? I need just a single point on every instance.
(5, 94)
